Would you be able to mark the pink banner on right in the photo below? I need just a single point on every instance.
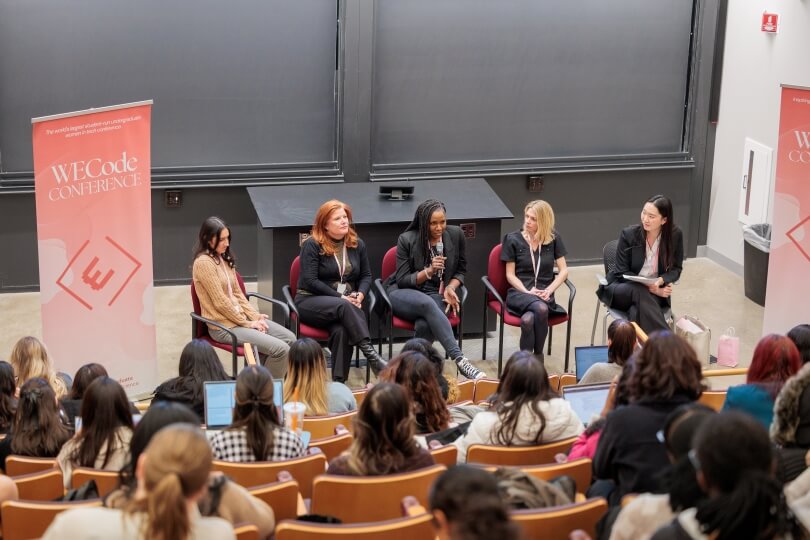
(787, 302)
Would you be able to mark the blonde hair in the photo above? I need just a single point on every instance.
(307, 372)
(29, 358)
(545, 220)
(176, 467)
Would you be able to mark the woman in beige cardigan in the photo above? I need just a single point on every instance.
(221, 299)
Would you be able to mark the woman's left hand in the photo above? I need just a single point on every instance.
(663, 292)
(451, 299)
(544, 294)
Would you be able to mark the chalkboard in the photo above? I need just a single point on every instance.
(483, 81)
(237, 85)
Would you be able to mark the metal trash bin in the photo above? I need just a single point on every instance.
(755, 260)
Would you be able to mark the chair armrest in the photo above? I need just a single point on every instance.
(462, 293)
(285, 290)
(372, 301)
(602, 280)
(572, 290)
(491, 290)
(378, 284)
(280, 303)
(222, 327)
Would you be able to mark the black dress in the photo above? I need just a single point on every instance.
(516, 249)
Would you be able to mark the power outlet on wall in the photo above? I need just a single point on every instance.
(174, 199)
(535, 184)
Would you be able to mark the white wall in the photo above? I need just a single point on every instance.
(754, 66)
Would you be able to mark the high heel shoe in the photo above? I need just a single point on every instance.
(375, 361)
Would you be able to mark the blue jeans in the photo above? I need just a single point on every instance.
(427, 313)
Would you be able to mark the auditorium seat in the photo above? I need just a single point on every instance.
(106, 481)
(408, 528)
(322, 427)
(250, 475)
(17, 465)
(282, 496)
(30, 519)
(40, 486)
(333, 446)
(556, 523)
(518, 455)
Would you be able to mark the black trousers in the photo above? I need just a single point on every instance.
(347, 326)
(641, 305)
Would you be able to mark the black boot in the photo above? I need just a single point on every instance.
(375, 361)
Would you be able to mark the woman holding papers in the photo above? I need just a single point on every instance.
(649, 259)
(530, 256)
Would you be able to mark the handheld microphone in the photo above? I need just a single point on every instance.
(440, 252)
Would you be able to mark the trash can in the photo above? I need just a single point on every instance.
(755, 260)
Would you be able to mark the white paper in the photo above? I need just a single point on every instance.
(639, 279)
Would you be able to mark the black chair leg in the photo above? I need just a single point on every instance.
(500, 348)
(567, 343)
(484, 333)
(550, 337)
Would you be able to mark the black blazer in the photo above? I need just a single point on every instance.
(410, 260)
(318, 271)
(630, 254)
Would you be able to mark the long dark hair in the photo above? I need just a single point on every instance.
(255, 410)
(622, 337)
(470, 500)
(198, 364)
(210, 230)
(427, 350)
(38, 430)
(524, 383)
(105, 408)
(665, 249)
(159, 415)
(8, 403)
(665, 367)
(383, 432)
(84, 376)
(417, 375)
(734, 456)
(800, 336)
(421, 223)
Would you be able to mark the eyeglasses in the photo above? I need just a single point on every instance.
(693, 459)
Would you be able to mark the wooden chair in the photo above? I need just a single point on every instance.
(466, 391)
(446, 455)
(713, 398)
(333, 446)
(354, 499)
(485, 388)
(17, 465)
(557, 523)
(495, 287)
(281, 496)
(322, 427)
(567, 379)
(40, 486)
(250, 475)
(581, 470)
(518, 455)
(554, 382)
(26, 519)
(359, 395)
(106, 481)
(409, 528)
(246, 532)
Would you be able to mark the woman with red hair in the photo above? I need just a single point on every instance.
(776, 359)
(332, 285)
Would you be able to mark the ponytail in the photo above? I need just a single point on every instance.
(755, 508)
(166, 510)
(259, 429)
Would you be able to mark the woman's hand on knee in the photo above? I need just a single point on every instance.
(260, 325)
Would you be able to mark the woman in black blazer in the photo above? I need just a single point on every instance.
(430, 268)
(332, 285)
(651, 249)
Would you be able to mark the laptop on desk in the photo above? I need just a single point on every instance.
(587, 400)
(219, 399)
(585, 357)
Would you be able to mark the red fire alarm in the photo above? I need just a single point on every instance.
(770, 22)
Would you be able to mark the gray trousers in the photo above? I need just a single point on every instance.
(275, 344)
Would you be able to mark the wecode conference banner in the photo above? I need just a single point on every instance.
(94, 227)
(787, 302)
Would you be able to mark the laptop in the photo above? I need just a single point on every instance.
(585, 357)
(587, 400)
(219, 399)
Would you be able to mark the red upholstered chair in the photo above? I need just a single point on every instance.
(389, 266)
(302, 329)
(495, 287)
(199, 324)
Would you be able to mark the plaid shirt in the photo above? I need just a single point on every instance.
(232, 445)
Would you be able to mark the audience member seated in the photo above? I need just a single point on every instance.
(431, 264)
(621, 337)
(222, 300)
(383, 437)
(72, 403)
(38, 430)
(800, 336)
(307, 376)
(8, 403)
(466, 505)
(104, 438)
(790, 429)
(648, 512)
(666, 375)
(734, 462)
(198, 363)
(531, 255)
(448, 387)
(30, 359)
(172, 475)
(224, 498)
(417, 375)
(525, 412)
(256, 433)
(332, 286)
(775, 360)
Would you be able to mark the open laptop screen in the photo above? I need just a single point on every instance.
(220, 398)
(585, 357)
(587, 400)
